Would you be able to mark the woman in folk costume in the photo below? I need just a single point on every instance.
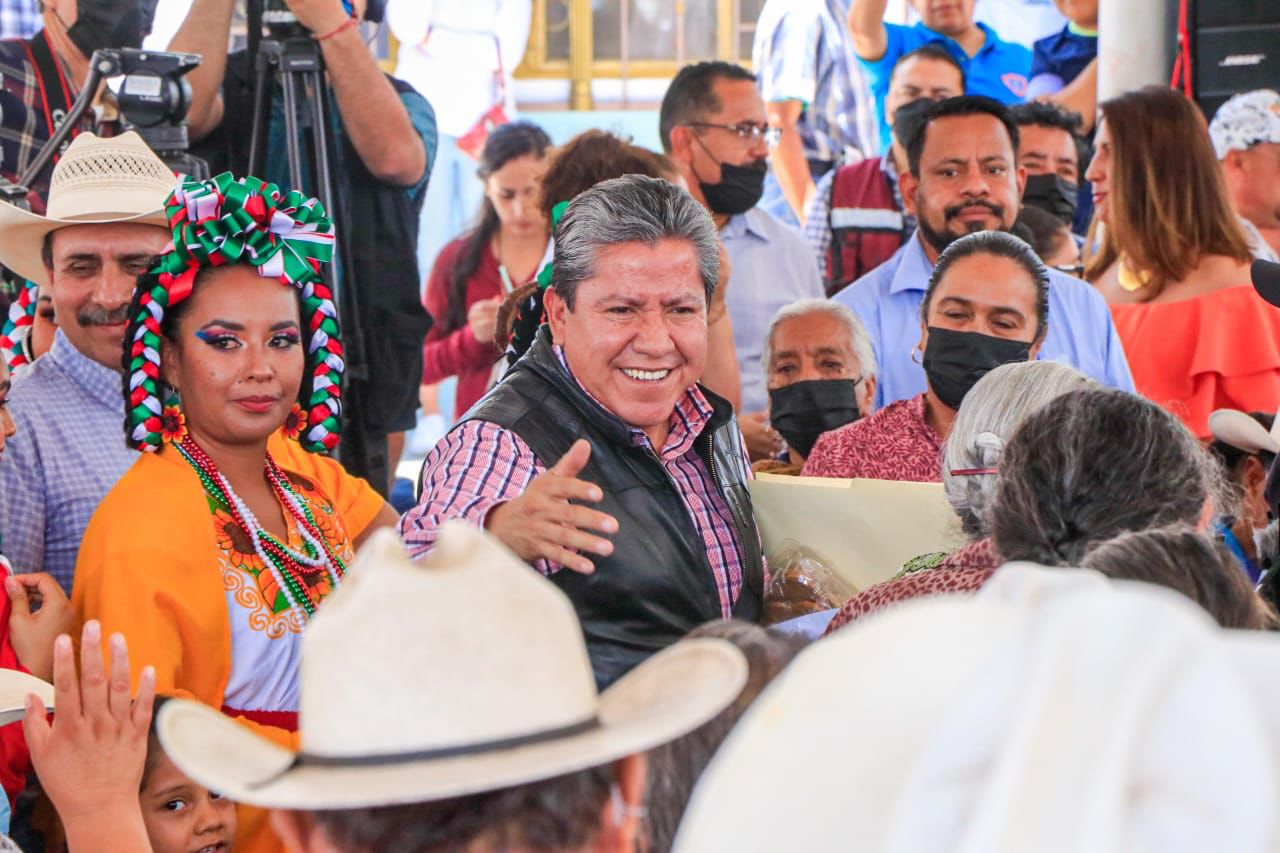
(216, 547)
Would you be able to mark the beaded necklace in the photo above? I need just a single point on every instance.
(288, 566)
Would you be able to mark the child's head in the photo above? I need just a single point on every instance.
(1082, 13)
(181, 816)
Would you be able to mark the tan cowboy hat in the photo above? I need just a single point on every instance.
(462, 673)
(96, 181)
(1243, 432)
(15, 687)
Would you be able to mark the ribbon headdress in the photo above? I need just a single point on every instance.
(17, 326)
(222, 221)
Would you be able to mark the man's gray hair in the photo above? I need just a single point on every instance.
(991, 412)
(630, 209)
(858, 336)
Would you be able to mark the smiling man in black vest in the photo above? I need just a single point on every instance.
(598, 458)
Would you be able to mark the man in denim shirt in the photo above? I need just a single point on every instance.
(69, 449)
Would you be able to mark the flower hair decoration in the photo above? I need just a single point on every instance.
(225, 220)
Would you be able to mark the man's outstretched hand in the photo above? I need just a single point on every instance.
(545, 523)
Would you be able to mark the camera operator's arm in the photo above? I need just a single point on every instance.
(372, 113)
(205, 31)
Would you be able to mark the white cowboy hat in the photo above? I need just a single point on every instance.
(15, 687)
(462, 673)
(97, 181)
(1244, 433)
(1056, 710)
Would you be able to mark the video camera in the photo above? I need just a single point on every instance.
(282, 23)
(153, 99)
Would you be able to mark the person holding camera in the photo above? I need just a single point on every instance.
(384, 141)
(41, 77)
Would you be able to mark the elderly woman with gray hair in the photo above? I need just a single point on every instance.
(987, 304)
(992, 412)
(820, 370)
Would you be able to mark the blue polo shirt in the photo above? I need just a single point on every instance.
(887, 300)
(1065, 53)
(1000, 69)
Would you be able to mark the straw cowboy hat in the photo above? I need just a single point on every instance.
(462, 673)
(1244, 433)
(1056, 710)
(97, 181)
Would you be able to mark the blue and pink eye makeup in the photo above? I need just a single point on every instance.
(222, 335)
(288, 338)
(214, 336)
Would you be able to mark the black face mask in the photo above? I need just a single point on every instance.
(955, 361)
(802, 411)
(108, 24)
(909, 118)
(1052, 194)
(739, 189)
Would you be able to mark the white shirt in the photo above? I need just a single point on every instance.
(456, 67)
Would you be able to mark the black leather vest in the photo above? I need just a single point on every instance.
(658, 584)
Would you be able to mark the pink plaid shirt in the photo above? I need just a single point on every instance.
(480, 465)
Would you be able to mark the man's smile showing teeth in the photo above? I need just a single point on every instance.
(647, 375)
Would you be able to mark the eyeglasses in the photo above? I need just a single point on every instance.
(746, 131)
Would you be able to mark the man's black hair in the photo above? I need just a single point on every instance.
(1044, 114)
(935, 52)
(963, 105)
(690, 97)
(1047, 115)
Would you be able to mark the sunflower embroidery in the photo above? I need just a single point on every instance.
(173, 424)
(296, 423)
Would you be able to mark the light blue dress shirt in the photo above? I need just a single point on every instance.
(68, 452)
(773, 266)
(887, 300)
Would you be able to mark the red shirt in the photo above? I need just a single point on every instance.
(458, 353)
(964, 570)
(15, 760)
(895, 443)
(1216, 351)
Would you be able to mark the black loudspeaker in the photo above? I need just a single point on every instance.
(1235, 47)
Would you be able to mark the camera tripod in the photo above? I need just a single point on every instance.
(295, 63)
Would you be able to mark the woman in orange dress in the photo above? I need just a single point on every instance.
(213, 551)
(1171, 257)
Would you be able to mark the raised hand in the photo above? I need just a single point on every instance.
(90, 758)
(545, 523)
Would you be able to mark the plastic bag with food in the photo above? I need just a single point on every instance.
(801, 583)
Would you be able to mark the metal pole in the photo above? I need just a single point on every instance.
(1135, 44)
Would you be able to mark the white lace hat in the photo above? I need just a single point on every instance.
(1245, 120)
